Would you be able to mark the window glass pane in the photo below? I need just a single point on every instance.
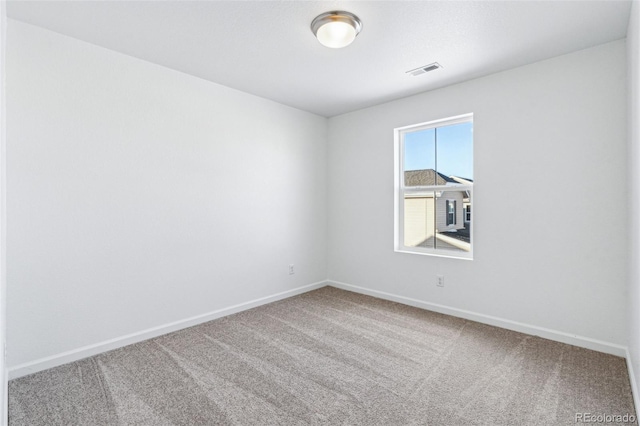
(419, 158)
(419, 220)
(453, 231)
(454, 147)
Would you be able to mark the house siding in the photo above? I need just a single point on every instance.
(418, 220)
(419, 217)
(441, 209)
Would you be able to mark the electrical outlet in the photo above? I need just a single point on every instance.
(440, 280)
(291, 269)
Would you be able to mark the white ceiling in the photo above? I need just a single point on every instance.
(266, 47)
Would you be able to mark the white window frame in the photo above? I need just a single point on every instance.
(400, 191)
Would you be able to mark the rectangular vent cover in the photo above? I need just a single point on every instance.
(424, 69)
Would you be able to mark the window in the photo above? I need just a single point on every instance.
(434, 187)
(451, 212)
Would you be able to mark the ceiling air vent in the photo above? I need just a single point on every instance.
(424, 69)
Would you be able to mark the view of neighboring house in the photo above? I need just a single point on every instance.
(435, 217)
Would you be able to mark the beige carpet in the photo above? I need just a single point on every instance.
(329, 357)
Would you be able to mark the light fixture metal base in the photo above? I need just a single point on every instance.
(336, 17)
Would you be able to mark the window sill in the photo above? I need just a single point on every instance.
(426, 252)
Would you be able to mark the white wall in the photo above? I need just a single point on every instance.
(549, 150)
(3, 222)
(633, 60)
(138, 196)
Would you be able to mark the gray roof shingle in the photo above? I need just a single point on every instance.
(425, 177)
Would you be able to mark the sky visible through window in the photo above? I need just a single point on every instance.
(455, 150)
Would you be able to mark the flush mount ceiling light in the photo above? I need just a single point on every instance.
(336, 29)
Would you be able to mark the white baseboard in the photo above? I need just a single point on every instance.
(558, 336)
(634, 384)
(90, 350)
(97, 348)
